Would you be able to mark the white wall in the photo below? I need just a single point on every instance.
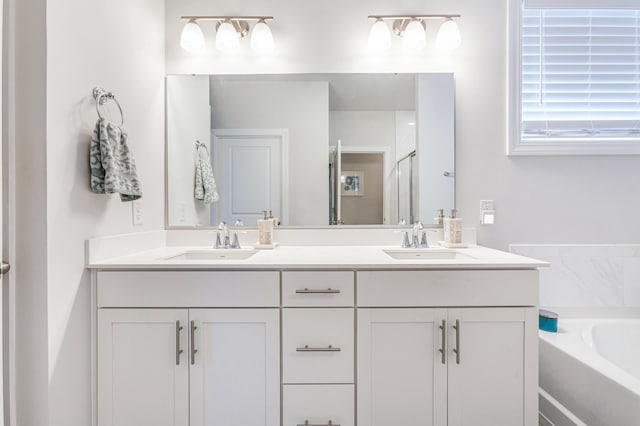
(303, 108)
(405, 133)
(63, 49)
(551, 199)
(188, 120)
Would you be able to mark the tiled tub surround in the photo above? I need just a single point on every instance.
(311, 332)
(596, 290)
(587, 276)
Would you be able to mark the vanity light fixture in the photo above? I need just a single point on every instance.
(192, 37)
(412, 30)
(448, 35)
(229, 31)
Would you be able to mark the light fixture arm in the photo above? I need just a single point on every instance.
(227, 17)
(410, 17)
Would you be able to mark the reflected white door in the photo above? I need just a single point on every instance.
(250, 174)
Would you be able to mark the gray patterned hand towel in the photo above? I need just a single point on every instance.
(205, 189)
(113, 169)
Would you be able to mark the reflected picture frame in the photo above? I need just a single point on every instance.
(352, 183)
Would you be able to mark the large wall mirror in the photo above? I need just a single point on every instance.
(314, 149)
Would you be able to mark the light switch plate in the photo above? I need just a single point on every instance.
(487, 212)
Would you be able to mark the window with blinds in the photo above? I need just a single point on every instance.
(580, 74)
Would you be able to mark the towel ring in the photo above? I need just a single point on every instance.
(102, 96)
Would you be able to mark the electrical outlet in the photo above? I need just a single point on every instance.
(136, 207)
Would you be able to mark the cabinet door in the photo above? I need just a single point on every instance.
(493, 376)
(401, 377)
(235, 367)
(142, 377)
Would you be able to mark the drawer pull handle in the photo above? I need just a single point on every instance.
(327, 291)
(306, 423)
(457, 348)
(193, 342)
(329, 348)
(443, 327)
(178, 350)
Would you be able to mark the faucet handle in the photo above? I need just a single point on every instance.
(218, 242)
(236, 242)
(423, 241)
(405, 240)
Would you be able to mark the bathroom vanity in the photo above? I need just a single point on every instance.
(340, 334)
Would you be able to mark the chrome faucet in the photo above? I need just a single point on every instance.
(417, 227)
(224, 240)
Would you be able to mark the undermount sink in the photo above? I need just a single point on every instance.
(426, 254)
(214, 254)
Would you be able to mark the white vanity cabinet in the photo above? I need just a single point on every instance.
(425, 365)
(318, 348)
(188, 366)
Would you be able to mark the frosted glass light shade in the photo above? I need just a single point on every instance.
(448, 35)
(379, 37)
(227, 38)
(414, 37)
(192, 38)
(262, 38)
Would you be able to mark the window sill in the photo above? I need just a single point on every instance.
(548, 147)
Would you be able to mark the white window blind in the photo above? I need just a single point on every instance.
(580, 74)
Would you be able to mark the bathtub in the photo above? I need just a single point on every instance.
(590, 373)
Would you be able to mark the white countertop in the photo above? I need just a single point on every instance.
(318, 257)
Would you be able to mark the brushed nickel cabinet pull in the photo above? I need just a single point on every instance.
(442, 350)
(193, 342)
(178, 350)
(306, 423)
(457, 348)
(327, 291)
(4, 268)
(329, 348)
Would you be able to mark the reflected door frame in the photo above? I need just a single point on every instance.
(283, 135)
(387, 166)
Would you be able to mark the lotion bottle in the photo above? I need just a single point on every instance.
(265, 230)
(453, 229)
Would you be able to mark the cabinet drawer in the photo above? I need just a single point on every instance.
(317, 288)
(201, 289)
(318, 404)
(447, 288)
(317, 345)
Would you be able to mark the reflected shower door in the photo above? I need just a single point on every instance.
(407, 188)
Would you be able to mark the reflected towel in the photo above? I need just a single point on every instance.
(113, 169)
(205, 189)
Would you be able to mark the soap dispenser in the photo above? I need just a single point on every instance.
(265, 229)
(452, 229)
